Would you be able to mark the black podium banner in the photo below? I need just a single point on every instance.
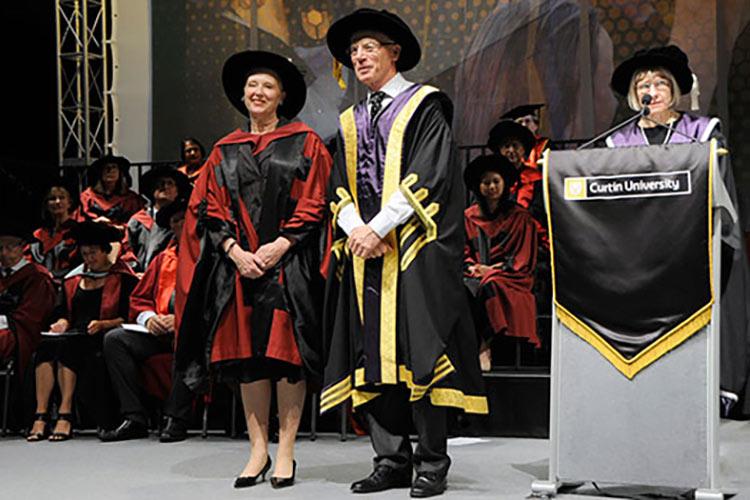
(630, 232)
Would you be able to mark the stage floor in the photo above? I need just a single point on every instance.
(204, 469)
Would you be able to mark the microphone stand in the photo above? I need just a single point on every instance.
(642, 113)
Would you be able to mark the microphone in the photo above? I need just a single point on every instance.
(645, 101)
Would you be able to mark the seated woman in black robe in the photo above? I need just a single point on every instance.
(500, 255)
(93, 300)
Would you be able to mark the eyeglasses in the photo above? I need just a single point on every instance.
(368, 48)
(658, 85)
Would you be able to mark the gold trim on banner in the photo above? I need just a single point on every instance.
(631, 367)
(545, 178)
(349, 134)
(389, 280)
(712, 159)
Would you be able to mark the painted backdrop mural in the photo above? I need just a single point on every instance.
(488, 55)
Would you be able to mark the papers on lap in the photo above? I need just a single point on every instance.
(134, 327)
(68, 333)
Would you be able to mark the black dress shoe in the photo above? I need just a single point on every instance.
(247, 481)
(283, 482)
(429, 484)
(128, 429)
(383, 478)
(174, 431)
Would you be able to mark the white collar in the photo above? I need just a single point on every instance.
(394, 86)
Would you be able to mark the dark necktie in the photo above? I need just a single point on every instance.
(376, 103)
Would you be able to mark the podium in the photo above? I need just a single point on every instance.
(612, 422)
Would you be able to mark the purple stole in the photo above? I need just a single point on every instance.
(371, 147)
(698, 127)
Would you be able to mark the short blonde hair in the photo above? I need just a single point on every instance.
(635, 103)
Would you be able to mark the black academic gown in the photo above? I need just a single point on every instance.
(424, 339)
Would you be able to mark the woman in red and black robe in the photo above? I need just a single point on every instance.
(249, 257)
(53, 245)
(109, 199)
(500, 255)
(93, 300)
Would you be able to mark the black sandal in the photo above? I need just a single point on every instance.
(33, 437)
(63, 436)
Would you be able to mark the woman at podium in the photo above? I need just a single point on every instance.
(657, 78)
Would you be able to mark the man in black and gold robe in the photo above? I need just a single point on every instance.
(400, 338)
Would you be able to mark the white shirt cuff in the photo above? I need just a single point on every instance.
(4, 322)
(144, 316)
(393, 214)
(349, 219)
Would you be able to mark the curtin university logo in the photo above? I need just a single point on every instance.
(610, 187)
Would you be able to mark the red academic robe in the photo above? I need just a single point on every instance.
(27, 298)
(528, 191)
(298, 212)
(56, 251)
(508, 243)
(192, 176)
(154, 291)
(117, 208)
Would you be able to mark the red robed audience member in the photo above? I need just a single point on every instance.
(93, 300)
(500, 255)
(109, 199)
(528, 116)
(27, 298)
(515, 142)
(193, 155)
(151, 306)
(162, 186)
(53, 245)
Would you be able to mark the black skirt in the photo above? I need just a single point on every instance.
(245, 371)
(75, 352)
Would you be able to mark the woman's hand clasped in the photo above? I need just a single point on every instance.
(249, 265)
(271, 253)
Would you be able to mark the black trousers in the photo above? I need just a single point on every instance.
(389, 422)
(124, 352)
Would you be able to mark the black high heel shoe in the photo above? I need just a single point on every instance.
(283, 482)
(57, 437)
(33, 437)
(247, 481)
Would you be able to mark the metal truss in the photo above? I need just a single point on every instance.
(83, 76)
